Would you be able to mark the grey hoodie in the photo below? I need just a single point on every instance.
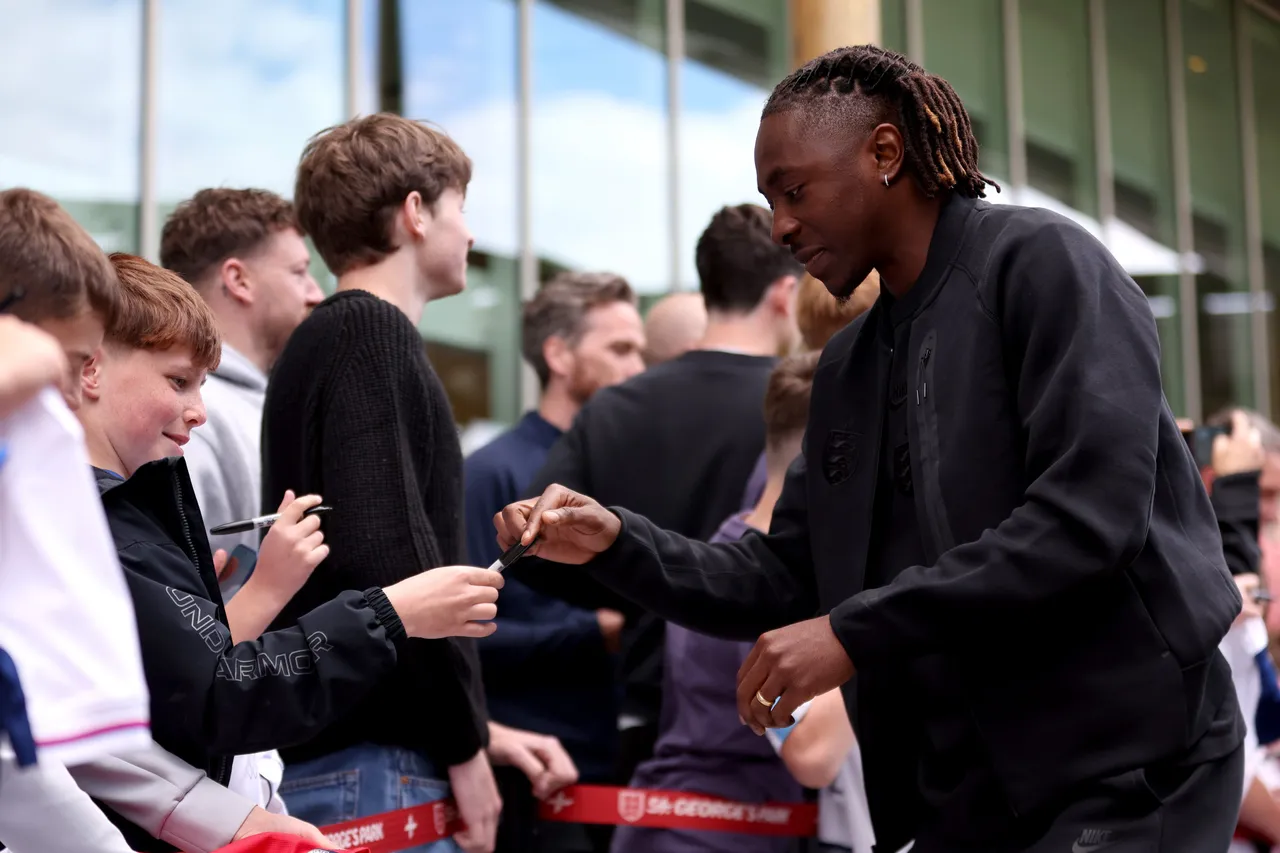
(224, 455)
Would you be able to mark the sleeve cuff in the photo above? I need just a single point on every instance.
(624, 547)
(207, 818)
(851, 623)
(386, 613)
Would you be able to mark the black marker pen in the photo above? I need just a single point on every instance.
(259, 522)
(509, 556)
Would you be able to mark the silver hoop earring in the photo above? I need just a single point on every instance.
(886, 182)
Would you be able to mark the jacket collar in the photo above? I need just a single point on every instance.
(106, 480)
(947, 240)
(162, 492)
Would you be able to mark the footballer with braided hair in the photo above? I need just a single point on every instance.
(937, 136)
(994, 520)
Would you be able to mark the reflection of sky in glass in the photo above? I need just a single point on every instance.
(459, 63)
(599, 134)
(599, 149)
(366, 91)
(242, 85)
(69, 99)
(717, 159)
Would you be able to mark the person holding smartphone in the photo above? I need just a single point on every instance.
(1229, 452)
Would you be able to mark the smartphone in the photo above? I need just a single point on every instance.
(246, 559)
(1200, 440)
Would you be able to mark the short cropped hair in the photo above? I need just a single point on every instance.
(159, 311)
(737, 259)
(217, 224)
(353, 178)
(786, 398)
(559, 309)
(50, 268)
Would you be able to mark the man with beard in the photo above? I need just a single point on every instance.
(549, 668)
(678, 442)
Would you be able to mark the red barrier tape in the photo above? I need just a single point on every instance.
(678, 810)
(399, 830)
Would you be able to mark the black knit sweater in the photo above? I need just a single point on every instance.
(355, 413)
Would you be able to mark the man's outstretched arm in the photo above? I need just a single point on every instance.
(734, 590)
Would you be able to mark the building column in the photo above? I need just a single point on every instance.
(818, 26)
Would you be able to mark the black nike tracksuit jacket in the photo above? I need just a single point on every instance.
(1074, 585)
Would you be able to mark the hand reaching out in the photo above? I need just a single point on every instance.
(570, 528)
(451, 601)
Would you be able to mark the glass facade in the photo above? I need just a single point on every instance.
(1217, 202)
(240, 86)
(604, 134)
(72, 117)
(598, 153)
(1264, 49)
(734, 53)
(1057, 101)
(1142, 183)
(457, 67)
(1144, 121)
(964, 42)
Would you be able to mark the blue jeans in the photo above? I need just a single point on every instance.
(364, 780)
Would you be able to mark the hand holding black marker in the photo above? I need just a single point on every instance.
(259, 522)
(512, 554)
(292, 548)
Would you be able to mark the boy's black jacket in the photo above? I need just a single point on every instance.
(212, 699)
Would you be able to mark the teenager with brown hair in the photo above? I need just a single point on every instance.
(356, 412)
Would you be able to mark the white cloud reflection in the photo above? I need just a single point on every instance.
(243, 83)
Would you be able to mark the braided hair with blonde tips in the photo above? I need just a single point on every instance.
(939, 146)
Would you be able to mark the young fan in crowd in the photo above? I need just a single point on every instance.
(217, 689)
(84, 692)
